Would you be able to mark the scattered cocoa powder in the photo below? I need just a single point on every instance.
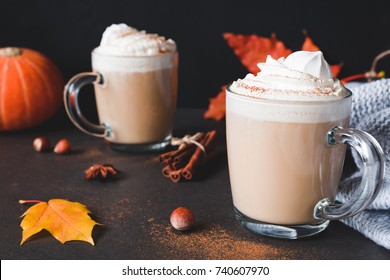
(210, 242)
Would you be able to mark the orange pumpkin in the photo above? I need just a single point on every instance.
(31, 87)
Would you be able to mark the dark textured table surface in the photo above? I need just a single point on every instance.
(135, 208)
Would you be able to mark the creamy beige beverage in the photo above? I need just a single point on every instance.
(280, 164)
(137, 99)
(280, 170)
(140, 106)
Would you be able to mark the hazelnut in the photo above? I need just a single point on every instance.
(182, 219)
(41, 144)
(62, 147)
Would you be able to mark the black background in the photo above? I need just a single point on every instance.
(351, 32)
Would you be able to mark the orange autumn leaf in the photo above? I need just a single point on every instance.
(308, 45)
(336, 68)
(65, 220)
(217, 106)
(252, 49)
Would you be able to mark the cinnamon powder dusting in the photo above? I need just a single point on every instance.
(210, 242)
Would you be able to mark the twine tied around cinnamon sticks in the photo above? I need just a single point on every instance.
(188, 139)
(191, 154)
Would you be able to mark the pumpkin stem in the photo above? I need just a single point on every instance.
(10, 51)
(29, 201)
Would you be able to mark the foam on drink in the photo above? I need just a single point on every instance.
(302, 76)
(121, 40)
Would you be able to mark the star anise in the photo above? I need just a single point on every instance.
(100, 171)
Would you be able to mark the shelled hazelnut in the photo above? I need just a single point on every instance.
(62, 147)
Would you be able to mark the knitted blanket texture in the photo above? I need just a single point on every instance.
(371, 113)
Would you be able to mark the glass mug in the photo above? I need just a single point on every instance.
(135, 99)
(285, 163)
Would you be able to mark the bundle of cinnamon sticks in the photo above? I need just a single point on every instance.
(184, 162)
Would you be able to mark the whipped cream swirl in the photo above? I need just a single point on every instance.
(123, 40)
(302, 75)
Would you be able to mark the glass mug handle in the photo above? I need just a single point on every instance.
(371, 154)
(72, 106)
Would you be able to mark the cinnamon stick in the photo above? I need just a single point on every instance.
(168, 157)
(185, 154)
(175, 175)
(179, 164)
(165, 156)
(184, 162)
(166, 171)
(208, 142)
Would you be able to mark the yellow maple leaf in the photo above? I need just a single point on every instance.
(65, 220)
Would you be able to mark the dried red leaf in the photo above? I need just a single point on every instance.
(217, 106)
(252, 49)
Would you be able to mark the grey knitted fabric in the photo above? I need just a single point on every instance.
(371, 113)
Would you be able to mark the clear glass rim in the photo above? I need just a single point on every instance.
(281, 101)
(167, 54)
